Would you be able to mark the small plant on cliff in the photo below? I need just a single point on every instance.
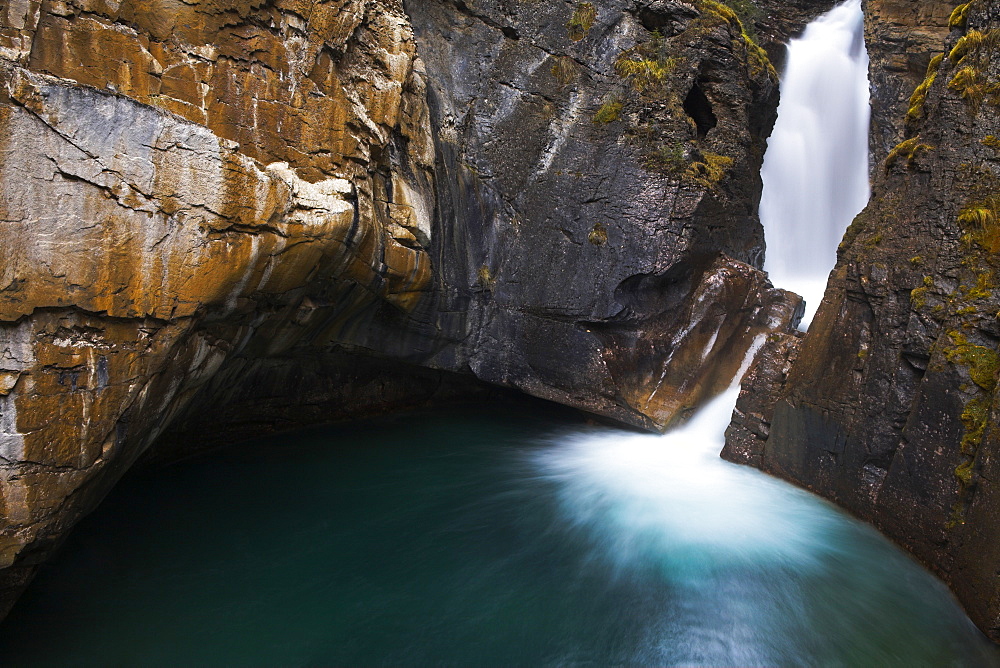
(758, 59)
(670, 159)
(972, 54)
(983, 363)
(740, 16)
(722, 11)
(976, 46)
(564, 69)
(581, 21)
(599, 235)
(908, 149)
(709, 170)
(644, 73)
(916, 109)
(981, 219)
(959, 16)
(485, 278)
(610, 110)
(747, 11)
(967, 83)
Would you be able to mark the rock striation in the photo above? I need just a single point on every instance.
(888, 405)
(902, 37)
(219, 218)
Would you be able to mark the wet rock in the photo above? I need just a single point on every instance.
(381, 208)
(902, 38)
(760, 390)
(890, 406)
(173, 179)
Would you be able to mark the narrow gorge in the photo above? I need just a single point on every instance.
(227, 220)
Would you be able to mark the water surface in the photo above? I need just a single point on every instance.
(489, 537)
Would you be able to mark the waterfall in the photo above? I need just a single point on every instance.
(815, 170)
(671, 500)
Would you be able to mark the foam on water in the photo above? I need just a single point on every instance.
(477, 540)
(673, 499)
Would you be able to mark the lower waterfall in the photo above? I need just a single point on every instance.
(509, 537)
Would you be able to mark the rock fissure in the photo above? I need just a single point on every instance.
(276, 214)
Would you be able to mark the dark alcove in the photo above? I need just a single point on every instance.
(699, 108)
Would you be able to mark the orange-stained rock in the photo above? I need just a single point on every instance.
(173, 174)
(199, 195)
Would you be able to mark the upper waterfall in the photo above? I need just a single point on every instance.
(815, 170)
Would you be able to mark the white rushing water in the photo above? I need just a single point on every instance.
(816, 167)
(674, 489)
(716, 529)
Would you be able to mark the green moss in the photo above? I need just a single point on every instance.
(969, 85)
(747, 11)
(974, 418)
(983, 364)
(741, 16)
(970, 43)
(599, 235)
(981, 221)
(644, 73)
(486, 279)
(959, 16)
(565, 70)
(918, 298)
(972, 55)
(919, 96)
(991, 141)
(964, 473)
(722, 11)
(758, 59)
(916, 261)
(670, 159)
(709, 170)
(909, 149)
(610, 111)
(581, 21)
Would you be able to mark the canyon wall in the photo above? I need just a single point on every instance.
(227, 217)
(888, 405)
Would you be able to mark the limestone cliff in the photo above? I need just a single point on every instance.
(902, 37)
(888, 405)
(223, 217)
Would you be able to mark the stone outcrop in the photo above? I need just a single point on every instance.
(589, 173)
(888, 405)
(902, 37)
(230, 217)
(173, 179)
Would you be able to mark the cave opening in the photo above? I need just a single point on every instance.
(699, 108)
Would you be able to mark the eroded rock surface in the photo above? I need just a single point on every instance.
(888, 406)
(173, 179)
(232, 217)
(902, 37)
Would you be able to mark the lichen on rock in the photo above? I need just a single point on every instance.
(888, 404)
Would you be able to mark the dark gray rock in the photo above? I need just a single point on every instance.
(890, 407)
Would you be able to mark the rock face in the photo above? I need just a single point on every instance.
(589, 173)
(889, 404)
(227, 217)
(902, 37)
(173, 179)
